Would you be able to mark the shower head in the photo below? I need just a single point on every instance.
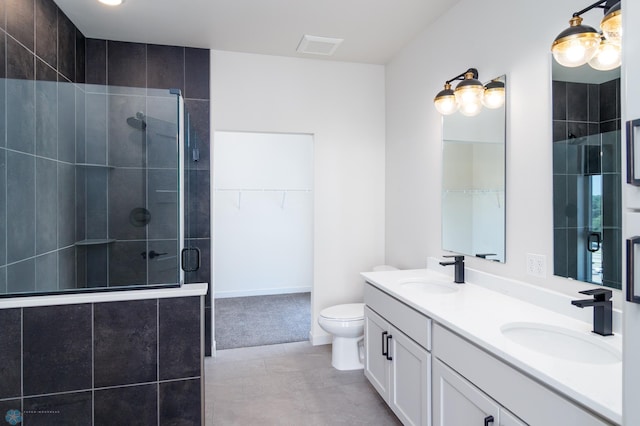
(137, 122)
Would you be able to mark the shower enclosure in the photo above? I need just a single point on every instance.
(92, 188)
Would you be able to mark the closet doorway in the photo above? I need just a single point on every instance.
(263, 237)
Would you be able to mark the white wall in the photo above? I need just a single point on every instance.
(342, 105)
(496, 37)
(263, 213)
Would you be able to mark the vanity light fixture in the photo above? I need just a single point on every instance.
(469, 95)
(578, 44)
(493, 94)
(608, 56)
(111, 2)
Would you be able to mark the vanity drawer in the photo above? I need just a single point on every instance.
(528, 399)
(411, 322)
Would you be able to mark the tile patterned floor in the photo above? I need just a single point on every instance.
(289, 384)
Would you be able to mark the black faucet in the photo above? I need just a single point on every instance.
(458, 262)
(602, 309)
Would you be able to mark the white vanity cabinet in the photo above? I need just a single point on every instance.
(470, 385)
(397, 360)
(456, 401)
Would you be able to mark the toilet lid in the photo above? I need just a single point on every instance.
(349, 311)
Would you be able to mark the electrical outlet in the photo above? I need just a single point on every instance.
(537, 265)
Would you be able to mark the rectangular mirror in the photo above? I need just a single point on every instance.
(473, 183)
(587, 214)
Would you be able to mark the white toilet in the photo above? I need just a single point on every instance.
(346, 324)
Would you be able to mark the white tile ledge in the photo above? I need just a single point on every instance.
(186, 290)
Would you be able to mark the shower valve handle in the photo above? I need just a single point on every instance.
(152, 254)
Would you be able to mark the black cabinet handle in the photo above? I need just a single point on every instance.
(384, 351)
(631, 166)
(487, 420)
(388, 351)
(631, 294)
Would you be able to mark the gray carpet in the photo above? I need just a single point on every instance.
(262, 320)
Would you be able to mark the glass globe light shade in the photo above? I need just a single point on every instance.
(493, 94)
(576, 45)
(469, 94)
(111, 2)
(445, 101)
(607, 57)
(611, 24)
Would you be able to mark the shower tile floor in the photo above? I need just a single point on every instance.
(288, 384)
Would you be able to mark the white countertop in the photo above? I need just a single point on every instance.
(198, 289)
(477, 314)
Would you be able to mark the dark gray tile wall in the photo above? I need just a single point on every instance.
(581, 110)
(142, 364)
(162, 67)
(41, 57)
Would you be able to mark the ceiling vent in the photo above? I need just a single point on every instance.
(315, 45)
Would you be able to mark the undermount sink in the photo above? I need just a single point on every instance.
(560, 342)
(428, 286)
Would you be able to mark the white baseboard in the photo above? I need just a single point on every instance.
(261, 292)
(320, 339)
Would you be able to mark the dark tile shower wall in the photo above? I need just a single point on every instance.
(42, 55)
(158, 67)
(117, 362)
(581, 110)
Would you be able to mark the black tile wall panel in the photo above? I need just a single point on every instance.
(46, 111)
(180, 403)
(21, 128)
(96, 61)
(559, 107)
(21, 192)
(196, 73)
(47, 31)
(57, 349)
(61, 409)
(577, 102)
(126, 64)
(609, 100)
(46, 272)
(3, 14)
(46, 205)
(127, 265)
(127, 145)
(81, 57)
(3, 207)
(66, 47)
(10, 353)
(198, 215)
(179, 341)
(131, 405)
(125, 346)
(21, 276)
(21, 21)
(20, 62)
(165, 67)
(199, 118)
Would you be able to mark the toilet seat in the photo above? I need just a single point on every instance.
(346, 312)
